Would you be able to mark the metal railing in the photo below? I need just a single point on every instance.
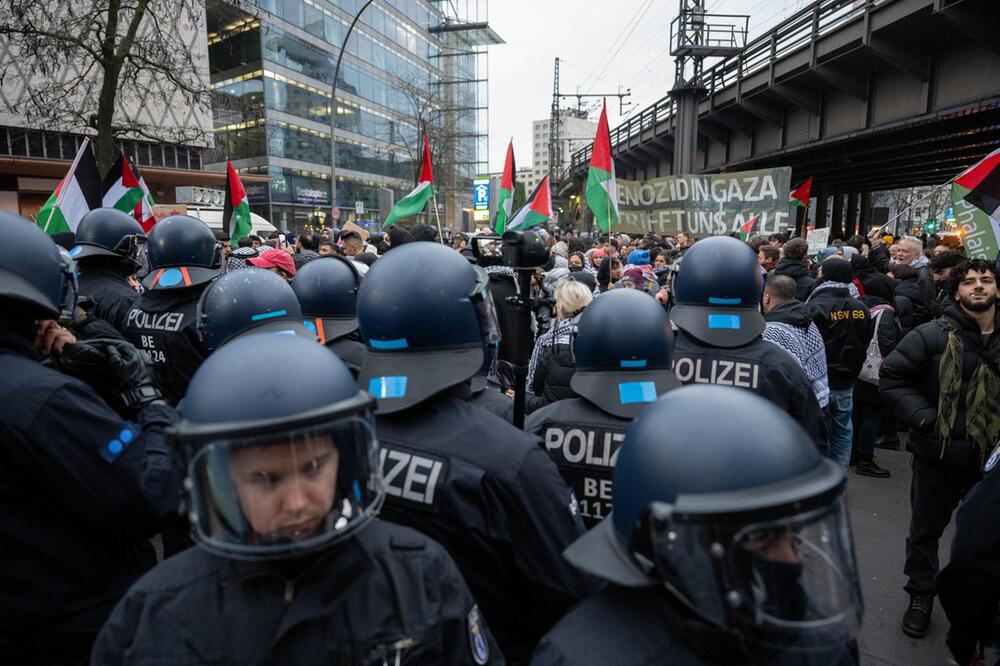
(792, 34)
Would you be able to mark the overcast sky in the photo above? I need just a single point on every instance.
(601, 45)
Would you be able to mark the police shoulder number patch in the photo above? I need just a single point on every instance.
(991, 462)
(478, 645)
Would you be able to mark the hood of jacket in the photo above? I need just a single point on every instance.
(793, 313)
(793, 269)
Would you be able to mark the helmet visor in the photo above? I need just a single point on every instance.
(69, 292)
(791, 581)
(280, 495)
(482, 300)
(134, 247)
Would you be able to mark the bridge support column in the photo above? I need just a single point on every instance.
(850, 223)
(866, 213)
(687, 97)
(837, 223)
(822, 198)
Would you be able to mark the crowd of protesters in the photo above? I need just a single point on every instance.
(866, 340)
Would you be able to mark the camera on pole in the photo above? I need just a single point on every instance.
(522, 251)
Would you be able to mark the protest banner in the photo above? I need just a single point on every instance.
(817, 239)
(706, 204)
(980, 232)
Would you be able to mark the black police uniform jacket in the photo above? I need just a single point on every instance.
(969, 586)
(491, 496)
(109, 288)
(846, 327)
(351, 351)
(641, 627)
(163, 323)
(389, 593)
(761, 367)
(583, 441)
(80, 493)
(908, 383)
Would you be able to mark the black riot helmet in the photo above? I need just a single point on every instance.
(623, 349)
(723, 499)
(327, 289)
(37, 277)
(109, 232)
(183, 252)
(248, 300)
(427, 317)
(289, 468)
(717, 293)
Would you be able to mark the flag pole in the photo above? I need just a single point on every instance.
(934, 190)
(437, 217)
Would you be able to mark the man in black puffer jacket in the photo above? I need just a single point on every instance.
(947, 453)
(792, 264)
(846, 327)
(909, 252)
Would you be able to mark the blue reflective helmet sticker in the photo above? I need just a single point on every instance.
(268, 315)
(731, 321)
(640, 363)
(632, 392)
(311, 327)
(724, 301)
(387, 387)
(399, 343)
(121, 441)
(170, 277)
(76, 250)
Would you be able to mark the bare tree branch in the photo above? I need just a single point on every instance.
(114, 66)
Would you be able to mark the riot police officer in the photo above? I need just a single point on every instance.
(248, 301)
(717, 292)
(482, 488)
(183, 258)
(327, 289)
(81, 489)
(110, 247)
(292, 565)
(728, 543)
(623, 348)
(969, 585)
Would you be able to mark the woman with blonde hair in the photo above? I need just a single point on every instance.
(552, 364)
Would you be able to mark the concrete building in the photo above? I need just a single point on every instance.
(575, 132)
(35, 152)
(408, 64)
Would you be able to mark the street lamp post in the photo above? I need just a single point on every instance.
(334, 108)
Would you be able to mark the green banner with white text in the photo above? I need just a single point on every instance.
(706, 204)
(980, 232)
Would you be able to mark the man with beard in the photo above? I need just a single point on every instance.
(943, 380)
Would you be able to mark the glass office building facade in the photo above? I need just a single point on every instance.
(272, 71)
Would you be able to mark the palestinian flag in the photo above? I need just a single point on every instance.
(236, 212)
(415, 201)
(800, 195)
(537, 210)
(506, 198)
(77, 194)
(983, 182)
(145, 215)
(601, 192)
(121, 189)
(747, 229)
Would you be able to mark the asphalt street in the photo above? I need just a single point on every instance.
(880, 514)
